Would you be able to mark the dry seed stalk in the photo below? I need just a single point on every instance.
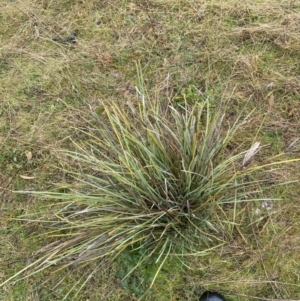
(250, 153)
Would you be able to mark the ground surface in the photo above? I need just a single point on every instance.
(246, 53)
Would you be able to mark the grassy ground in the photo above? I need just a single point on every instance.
(246, 53)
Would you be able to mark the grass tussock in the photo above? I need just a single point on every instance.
(155, 182)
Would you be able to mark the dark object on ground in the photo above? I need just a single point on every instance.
(70, 39)
(209, 296)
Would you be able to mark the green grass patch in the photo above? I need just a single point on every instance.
(243, 54)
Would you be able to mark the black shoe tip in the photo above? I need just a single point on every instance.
(210, 296)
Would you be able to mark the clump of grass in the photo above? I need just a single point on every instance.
(155, 178)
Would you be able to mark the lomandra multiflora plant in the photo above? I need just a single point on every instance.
(154, 178)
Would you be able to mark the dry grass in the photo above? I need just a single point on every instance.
(243, 53)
